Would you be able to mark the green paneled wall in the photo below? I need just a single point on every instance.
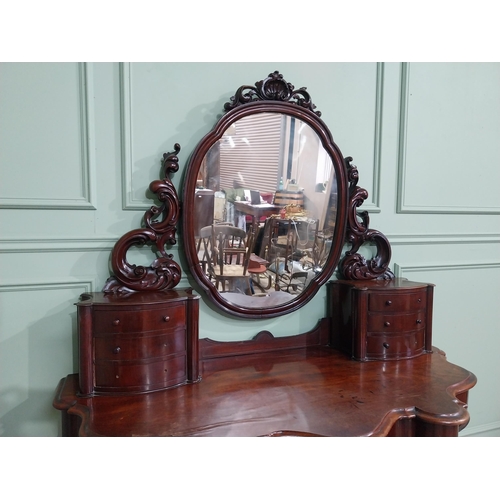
(80, 144)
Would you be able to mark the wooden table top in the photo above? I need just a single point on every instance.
(263, 210)
(312, 391)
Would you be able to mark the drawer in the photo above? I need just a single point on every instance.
(394, 323)
(144, 320)
(389, 302)
(122, 346)
(395, 346)
(139, 377)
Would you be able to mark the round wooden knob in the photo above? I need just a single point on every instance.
(116, 322)
(386, 345)
(388, 302)
(419, 321)
(166, 318)
(387, 323)
(116, 350)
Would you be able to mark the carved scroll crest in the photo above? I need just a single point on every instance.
(160, 228)
(354, 266)
(272, 88)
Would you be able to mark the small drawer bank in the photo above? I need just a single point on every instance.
(381, 320)
(137, 343)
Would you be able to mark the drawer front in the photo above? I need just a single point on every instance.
(403, 302)
(131, 377)
(395, 346)
(120, 346)
(144, 320)
(396, 323)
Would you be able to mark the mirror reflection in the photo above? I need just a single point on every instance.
(265, 210)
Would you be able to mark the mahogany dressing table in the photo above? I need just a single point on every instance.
(311, 390)
(367, 369)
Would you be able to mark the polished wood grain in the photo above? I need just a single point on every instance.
(137, 342)
(381, 319)
(306, 391)
(158, 231)
(274, 95)
(144, 372)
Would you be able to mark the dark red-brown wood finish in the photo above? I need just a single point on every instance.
(381, 319)
(274, 95)
(271, 95)
(295, 386)
(188, 201)
(163, 273)
(353, 265)
(143, 371)
(137, 342)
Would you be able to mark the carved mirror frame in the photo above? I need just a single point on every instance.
(271, 95)
(275, 95)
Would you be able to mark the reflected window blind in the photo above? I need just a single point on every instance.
(250, 153)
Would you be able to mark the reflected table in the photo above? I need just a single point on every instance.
(256, 212)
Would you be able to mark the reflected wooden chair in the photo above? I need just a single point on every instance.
(227, 252)
(294, 248)
(203, 244)
(204, 247)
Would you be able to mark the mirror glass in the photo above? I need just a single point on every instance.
(265, 210)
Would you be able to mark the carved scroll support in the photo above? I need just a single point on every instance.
(160, 228)
(354, 266)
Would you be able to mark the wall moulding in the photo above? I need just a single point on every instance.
(462, 319)
(402, 205)
(86, 120)
(129, 202)
(401, 270)
(493, 429)
(127, 134)
(442, 239)
(87, 285)
(42, 245)
(374, 205)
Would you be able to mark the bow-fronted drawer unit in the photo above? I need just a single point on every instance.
(381, 320)
(137, 343)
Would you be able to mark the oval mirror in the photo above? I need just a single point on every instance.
(264, 205)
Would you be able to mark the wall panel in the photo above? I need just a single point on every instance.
(37, 341)
(449, 152)
(465, 308)
(149, 113)
(424, 137)
(51, 141)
